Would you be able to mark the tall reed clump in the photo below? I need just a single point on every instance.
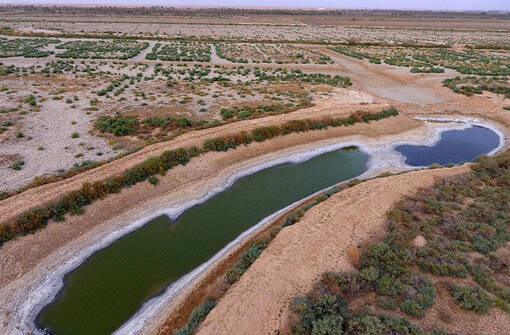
(74, 202)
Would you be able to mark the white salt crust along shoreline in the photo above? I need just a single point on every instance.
(41, 284)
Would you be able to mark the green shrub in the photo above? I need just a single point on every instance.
(75, 135)
(299, 304)
(118, 125)
(328, 325)
(458, 215)
(153, 180)
(243, 114)
(472, 298)
(386, 303)
(365, 325)
(74, 202)
(246, 259)
(226, 113)
(412, 307)
(18, 165)
(197, 316)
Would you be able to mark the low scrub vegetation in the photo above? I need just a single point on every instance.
(247, 258)
(118, 125)
(269, 53)
(261, 110)
(103, 49)
(432, 59)
(26, 47)
(472, 298)
(184, 51)
(197, 316)
(459, 217)
(263, 133)
(74, 202)
(476, 85)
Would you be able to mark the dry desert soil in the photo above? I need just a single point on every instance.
(259, 302)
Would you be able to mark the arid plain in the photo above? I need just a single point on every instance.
(86, 98)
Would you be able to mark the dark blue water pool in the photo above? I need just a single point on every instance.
(455, 146)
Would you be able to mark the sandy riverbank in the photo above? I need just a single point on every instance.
(258, 302)
(38, 196)
(39, 284)
(33, 261)
(383, 159)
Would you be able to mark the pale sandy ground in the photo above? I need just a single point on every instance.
(258, 303)
(25, 268)
(19, 203)
(26, 262)
(274, 32)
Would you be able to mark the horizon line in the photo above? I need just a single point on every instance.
(318, 8)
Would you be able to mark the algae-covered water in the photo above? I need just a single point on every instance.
(109, 287)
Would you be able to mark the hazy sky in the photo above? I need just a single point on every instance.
(379, 4)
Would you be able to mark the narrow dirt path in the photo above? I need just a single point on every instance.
(141, 55)
(384, 81)
(216, 60)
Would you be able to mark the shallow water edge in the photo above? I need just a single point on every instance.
(382, 157)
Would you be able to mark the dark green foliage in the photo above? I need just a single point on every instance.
(198, 314)
(247, 258)
(106, 49)
(411, 307)
(430, 58)
(365, 325)
(264, 133)
(30, 100)
(319, 315)
(185, 51)
(476, 85)
(328, 325)
(168, 123)
(458, 215)
(26, 47)
(299, 76)
(18, 165)
(153, 180)
(386, 303)
(472, 298)
(74, 202)
(327, 314)
(119, 125)
(261, 110)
